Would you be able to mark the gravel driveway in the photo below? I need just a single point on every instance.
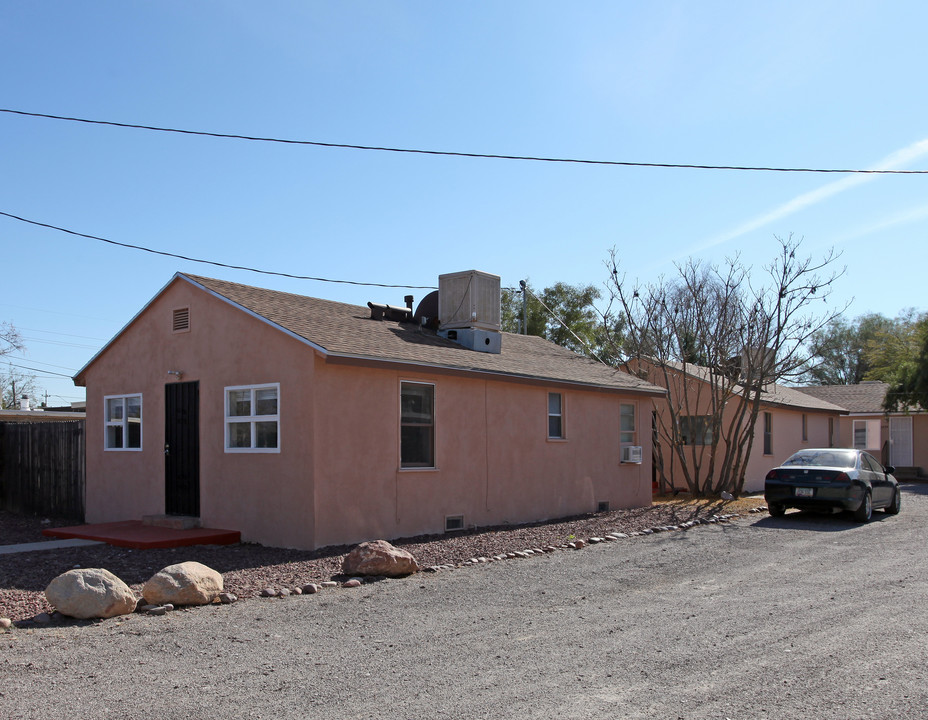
(798, 617)
(247, 569)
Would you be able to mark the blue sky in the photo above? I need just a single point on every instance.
(787, 84)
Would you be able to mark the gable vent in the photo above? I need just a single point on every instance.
(181, 320)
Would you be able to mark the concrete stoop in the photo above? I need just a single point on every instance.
(175, 522)
(142, 535)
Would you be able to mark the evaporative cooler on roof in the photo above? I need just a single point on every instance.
(469, 299)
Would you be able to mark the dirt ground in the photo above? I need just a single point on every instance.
(248, 569)
(802, 616)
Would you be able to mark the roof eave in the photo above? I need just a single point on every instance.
(370, 359)
(78, 378)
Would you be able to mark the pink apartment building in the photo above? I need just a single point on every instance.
(304, 422)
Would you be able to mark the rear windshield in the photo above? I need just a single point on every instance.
(824, 458)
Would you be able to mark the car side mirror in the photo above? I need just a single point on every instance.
(889, 469)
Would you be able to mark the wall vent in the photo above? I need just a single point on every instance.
(181, 320)
(602, 506)
(454, 522)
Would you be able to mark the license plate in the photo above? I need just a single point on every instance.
(804, 492)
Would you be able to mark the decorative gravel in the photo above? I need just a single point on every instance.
(249, 569)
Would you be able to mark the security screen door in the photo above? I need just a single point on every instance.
(182, 449)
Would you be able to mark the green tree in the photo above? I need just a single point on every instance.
(840, 351)
(894, 346)
(564, 314)
(902, 361)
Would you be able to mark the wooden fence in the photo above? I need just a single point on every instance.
(42, 468)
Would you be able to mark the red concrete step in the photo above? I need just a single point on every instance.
(135, 534)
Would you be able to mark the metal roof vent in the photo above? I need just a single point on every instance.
(391, 312)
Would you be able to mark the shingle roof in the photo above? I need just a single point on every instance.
(774, 394)
(793, 397)
(867, 397)
(343, 330)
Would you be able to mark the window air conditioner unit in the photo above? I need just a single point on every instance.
(631, 454)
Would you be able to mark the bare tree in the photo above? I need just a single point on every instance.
(13, 383)
(10, 339)
(716, 340)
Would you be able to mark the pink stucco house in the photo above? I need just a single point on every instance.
(896, 438)
(788, 420)
(304, 422)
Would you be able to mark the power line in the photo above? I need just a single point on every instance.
(38, 362)
(48, 372)
(212, 262)
(59, 343)
(53, 332)
(449, 153)
(567, 328)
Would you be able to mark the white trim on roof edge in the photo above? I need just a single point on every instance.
(255, 315)
(351, 356)
(182, 276)
(121, 331)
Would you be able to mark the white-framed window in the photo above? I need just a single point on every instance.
(417, 425)
(860, 434)
(696, 429)
(805, 428)
(252, 418)
(555, 416)
(866, 434)
(122, 417)
(768, 433)
(628, 432)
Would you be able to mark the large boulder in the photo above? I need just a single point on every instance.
(90, 593)
(187, 583)
(379, 558)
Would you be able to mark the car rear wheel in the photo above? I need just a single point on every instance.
(865, 511)
(896, 505)
(775, 509)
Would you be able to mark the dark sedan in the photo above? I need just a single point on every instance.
(832, 479)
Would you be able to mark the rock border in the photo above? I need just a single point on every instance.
(225, 598)
(576, 544)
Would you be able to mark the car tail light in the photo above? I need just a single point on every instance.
(771, 475)
(840, 477)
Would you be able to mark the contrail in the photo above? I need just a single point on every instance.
(892, 161)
